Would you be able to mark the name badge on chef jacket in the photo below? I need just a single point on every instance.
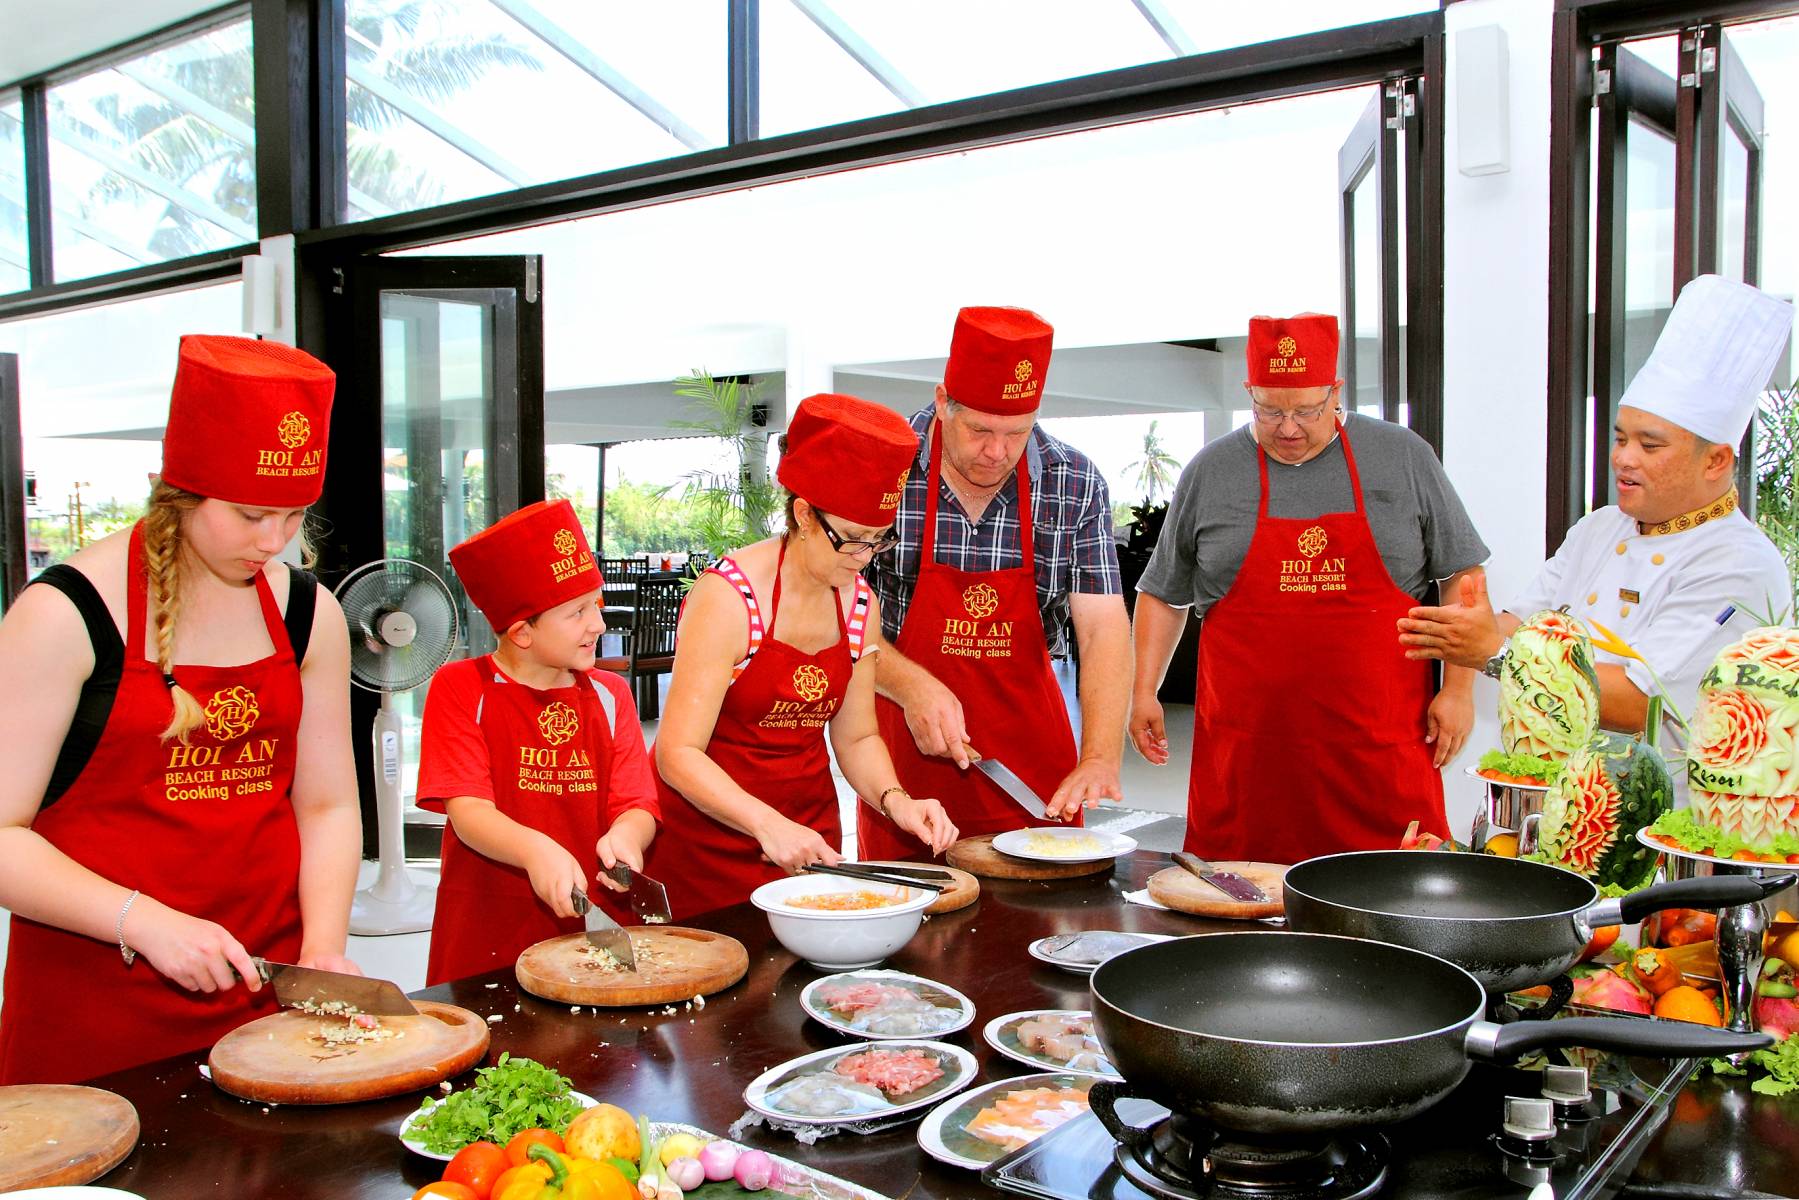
(1629, 596)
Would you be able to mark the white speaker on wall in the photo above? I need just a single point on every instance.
(1483, 124)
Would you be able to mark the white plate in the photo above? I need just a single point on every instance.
(1773, 868)
(958, 1070)
(960, 1004)
(1002, 1034)
(1017, 843)
(1037, 952)
(943, 1134)
(72, 1192)
(1473, 773)
(418, 1147)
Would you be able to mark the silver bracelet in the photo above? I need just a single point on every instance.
(118, 931)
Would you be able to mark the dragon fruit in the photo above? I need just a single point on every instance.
(1548, 689)
(1778, 1017)
(1600, 988)
(1742, 766)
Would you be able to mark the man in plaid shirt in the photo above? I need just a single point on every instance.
(971, 622)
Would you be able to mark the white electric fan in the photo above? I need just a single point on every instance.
(402, 628)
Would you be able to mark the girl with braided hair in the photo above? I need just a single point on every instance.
(180, 792)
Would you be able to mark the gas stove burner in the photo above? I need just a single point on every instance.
(1184, 1159)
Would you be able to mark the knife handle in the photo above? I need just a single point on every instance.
(579, 899)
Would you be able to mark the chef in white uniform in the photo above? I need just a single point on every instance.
(1674, 568)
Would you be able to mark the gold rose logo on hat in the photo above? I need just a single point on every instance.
(294, 430)
(1022, 371)
(810, 682)
(558, 723)
(231, 713)
(1286, 347)
(565, 542)
(1313, 541)
(980, 601)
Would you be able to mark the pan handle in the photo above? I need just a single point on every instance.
(1103, 1098)
(1664, 1039)
(1712, 891)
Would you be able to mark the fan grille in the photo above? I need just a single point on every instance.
(393, 585)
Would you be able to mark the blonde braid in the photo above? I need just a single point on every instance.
(162, 562)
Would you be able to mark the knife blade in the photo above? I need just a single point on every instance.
(603, 932)
(1229, 882)
(1013, 786)
(307, 987)
(649, 899)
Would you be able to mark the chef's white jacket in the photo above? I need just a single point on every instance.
(1664, 595)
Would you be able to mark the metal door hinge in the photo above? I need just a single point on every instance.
(337, 273)
(1602, 82)
(1708, 60)
(530, 281)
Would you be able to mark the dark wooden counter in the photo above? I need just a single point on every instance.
(692, 1066)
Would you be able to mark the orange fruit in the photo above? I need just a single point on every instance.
(604, 1131)
(1505, 845)
(1687, 1003)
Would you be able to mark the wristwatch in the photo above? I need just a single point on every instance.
(1497, 662)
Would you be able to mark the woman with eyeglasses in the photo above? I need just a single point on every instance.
(774, 649)
(1300, 540)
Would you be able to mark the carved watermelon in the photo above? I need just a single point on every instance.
(1548, 690)
(1608, 791)
(1742, 767)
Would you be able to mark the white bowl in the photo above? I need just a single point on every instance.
(840, 941)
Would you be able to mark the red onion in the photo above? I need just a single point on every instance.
(718, 1159)
(753, 1170)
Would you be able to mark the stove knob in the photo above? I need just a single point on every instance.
(1529, 1119)
(1567, 1088)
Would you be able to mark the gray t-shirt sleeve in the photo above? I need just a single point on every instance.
(1451, 543)
(1171, 574)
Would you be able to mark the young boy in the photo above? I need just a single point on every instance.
(536, 756)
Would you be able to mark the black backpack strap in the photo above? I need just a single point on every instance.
(302, 599)
(94, 706)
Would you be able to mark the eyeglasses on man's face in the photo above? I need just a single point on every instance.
(843, 545)
(1267, 414)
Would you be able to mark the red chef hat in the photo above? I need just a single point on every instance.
(997, 360)
(1293, 352)
(527, 563)
(248, 422)
(848, 457)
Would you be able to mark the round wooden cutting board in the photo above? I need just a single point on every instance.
(1177, 888)
(977, 856)
(278, 1059)
(674, 963)
(964, 889)
(54, 1134)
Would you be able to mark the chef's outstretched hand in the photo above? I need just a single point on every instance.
(1448, 722)
(1091, 781)
(794, 847)
(1148, 733)
(925, 819)
(555, 874)
(938, 727)
(200, 955)
(615, 848)
(329, 962)
(1465, 633)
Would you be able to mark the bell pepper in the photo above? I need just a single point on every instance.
(550, 1176)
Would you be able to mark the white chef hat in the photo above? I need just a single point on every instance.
(1713, 358)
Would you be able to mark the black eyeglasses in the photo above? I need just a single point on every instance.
(843, 545)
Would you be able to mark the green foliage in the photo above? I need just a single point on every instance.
(1777, 474)
(1157, 470)
(739, 505)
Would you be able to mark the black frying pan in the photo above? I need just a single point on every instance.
(1509, 922)
(1289, 1033)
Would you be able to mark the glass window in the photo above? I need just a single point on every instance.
(155, 158)
(15, 272)
(827, 61)
(449, 99)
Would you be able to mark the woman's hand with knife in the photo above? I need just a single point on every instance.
(625, 842)
(200, 955)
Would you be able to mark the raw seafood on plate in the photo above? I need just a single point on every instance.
(886, 1004)
(1061, 1039)
(991, 1122)
(847, 1084)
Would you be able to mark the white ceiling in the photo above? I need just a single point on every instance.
(36, 36)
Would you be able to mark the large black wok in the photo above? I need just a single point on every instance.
(1290, 1033)
(1509, 922)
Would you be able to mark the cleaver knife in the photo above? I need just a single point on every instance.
(1231, 884)
(649, 899)
(1013, 786)
(603, 932)
(296, 986)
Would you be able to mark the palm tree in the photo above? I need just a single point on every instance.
(1157, 469)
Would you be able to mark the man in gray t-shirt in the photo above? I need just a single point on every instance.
(1300, 540)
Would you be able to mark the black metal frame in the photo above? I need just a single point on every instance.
(1579, 27)
(1370, 157)
(15, 533)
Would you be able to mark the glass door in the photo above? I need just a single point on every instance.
(1634, 246)
(1368, 169)
(14, 567)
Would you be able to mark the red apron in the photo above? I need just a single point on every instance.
(770, 739)
(1308, 724)
(206, 828)
(550, 757)
(981, 634)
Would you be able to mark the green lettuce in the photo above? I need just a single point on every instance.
(1700, 838)
(1528, 765)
